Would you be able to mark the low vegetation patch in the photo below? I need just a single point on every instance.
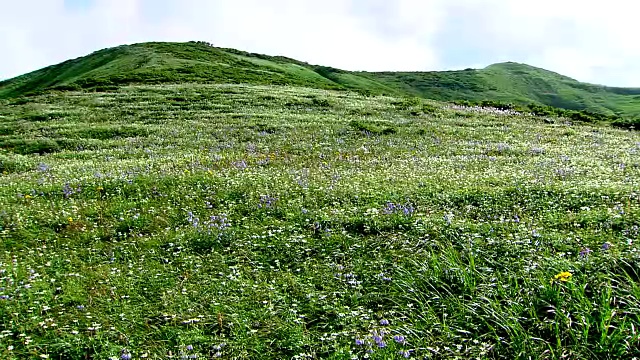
(30, 146)
(371, 128)
(106, 132)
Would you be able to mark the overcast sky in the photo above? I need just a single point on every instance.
(593, 41)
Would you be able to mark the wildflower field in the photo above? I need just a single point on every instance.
(274, 222)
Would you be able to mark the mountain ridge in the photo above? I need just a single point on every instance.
(200, 62)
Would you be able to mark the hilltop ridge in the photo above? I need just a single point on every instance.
(199, 62)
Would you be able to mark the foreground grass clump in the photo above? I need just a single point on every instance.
(277, 222)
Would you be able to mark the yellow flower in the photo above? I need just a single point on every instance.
(28, 197)
(99, 188)
(563, 276)
(70, 219)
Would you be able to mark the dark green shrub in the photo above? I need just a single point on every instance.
(68, 87)
(630, 124)
(7, 130)
(20, 101)
(79, 144)
(320, 102)
(260, 127)
(582, 116)
(368, 127)
(30, 146)
(107, 132)
(429, 109)
(542, 110)
(37, 117)
(408, 103)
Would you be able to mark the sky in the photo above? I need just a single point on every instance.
(589, 40)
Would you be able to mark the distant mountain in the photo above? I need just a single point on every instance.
(198, 62)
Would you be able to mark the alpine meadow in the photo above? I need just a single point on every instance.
(182, 201)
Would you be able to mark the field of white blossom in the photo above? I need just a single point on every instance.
(255, 222)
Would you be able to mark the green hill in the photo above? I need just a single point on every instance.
(516, 83)
(154, 63)
(198, 62)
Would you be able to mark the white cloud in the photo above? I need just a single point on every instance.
(324, 33)
(590, 41)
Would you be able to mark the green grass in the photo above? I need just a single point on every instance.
(279, 222)
(158, 63)
(518, 84)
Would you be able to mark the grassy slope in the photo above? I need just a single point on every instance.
(516, 83)
(342, 211)
(153, 63)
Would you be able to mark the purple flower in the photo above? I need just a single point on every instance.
(267, 201)
(194, 220)
(125, 355)
(381, 344)
(189, 347)
(399, 339)
(384, 322)
(240, 164)
(405, 353)
(606, 246)
(584, 252)
(218, 222)
(391, 208)
(359, 342)
(67, 190)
